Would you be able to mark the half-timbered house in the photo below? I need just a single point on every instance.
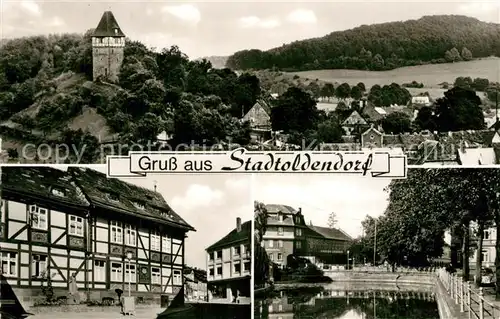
(108, 233)
(130, 221)
(44, 230)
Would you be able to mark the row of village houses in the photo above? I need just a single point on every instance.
(106, 233)
(480, 147)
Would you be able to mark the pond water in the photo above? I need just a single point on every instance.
(319, 303)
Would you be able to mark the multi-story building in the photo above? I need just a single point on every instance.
(278, 239)
(107, 233)
(288, 234)
(229, 266)
(108, 43)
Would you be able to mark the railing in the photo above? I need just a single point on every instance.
(469, 299)
(396, 269)
(355, 268)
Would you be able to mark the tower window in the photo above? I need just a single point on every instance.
(116, 30)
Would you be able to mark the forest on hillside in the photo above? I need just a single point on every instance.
(386, 46)
(156, 92)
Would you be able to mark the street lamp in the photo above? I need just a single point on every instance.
(129, 257)
(375, 245)
(348, 260)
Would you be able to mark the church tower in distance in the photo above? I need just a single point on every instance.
(108, 42)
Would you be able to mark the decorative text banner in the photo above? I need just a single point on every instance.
(373, 164)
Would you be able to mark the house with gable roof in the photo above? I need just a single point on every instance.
(486, 152)
(259, 117)
(195, 284)
(45, 223)
(130, 220)
(372, 138)
(354, 123)
(80, 223)
(229, 266)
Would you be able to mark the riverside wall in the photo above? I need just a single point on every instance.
(387, 281)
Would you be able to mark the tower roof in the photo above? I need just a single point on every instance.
(108, 27)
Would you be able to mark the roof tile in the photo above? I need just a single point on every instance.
(131, 199)
(43, 182)
(233, 237)
(331, 233)
(108, 27)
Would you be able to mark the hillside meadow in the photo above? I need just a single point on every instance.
(431, 75)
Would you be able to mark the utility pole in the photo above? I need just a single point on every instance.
(375, 244)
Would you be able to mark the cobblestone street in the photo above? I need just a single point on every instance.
(142, 313)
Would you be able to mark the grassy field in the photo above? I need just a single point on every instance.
(430, 75)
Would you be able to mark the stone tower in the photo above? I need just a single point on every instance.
(108, 42)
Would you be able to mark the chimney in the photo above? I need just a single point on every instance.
(300, 210)
(238, 224)
(155, 183)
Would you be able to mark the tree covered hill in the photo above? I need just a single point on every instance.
(47, 95)
(430, 39)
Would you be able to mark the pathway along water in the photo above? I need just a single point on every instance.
(324, 302)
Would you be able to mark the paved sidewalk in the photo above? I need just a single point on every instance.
(141, 313)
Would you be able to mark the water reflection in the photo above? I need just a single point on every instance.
(319, 303)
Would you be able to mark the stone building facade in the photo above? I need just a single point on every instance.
(108, 43)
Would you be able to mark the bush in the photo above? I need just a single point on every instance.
(105, 302)
(49, 303)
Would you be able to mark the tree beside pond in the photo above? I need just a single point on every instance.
(261, 259)
(431, 201)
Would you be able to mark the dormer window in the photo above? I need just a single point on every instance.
(280, 217)
(139, 205)
(167, 215)
(113, 197)
(57, 192)
(116, 30)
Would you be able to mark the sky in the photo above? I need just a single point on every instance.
(350, 197)
(206, 28)
(208, 202)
